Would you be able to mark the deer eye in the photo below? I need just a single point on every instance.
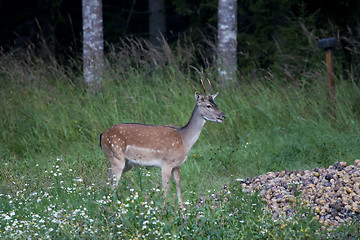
(208, 106)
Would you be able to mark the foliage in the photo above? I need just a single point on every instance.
(269, 31)
(65, 206)
(53, 182)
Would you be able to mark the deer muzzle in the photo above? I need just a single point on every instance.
(221, 117)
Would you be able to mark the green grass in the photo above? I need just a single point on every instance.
(54, 176)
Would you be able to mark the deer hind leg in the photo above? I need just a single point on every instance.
(176, 175)
(117, 168)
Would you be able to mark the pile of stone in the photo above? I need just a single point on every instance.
(332, 193)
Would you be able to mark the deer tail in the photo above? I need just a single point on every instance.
(100, 140)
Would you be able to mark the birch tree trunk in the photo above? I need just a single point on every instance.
(226, 45)
(93, 43)
(157, 21)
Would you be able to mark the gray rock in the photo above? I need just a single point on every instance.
(332, 193)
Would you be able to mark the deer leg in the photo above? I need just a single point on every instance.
(128, 166)
(166, 174)
(117, 168)
(176, 175)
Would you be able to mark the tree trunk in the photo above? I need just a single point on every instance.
(157, 21)
(227, 30)
(93, 43)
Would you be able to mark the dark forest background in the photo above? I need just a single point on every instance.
(265, 27)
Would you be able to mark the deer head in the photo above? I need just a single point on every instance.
(207, 107)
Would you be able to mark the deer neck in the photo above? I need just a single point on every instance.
(191, 131)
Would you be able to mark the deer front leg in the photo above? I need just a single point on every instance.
(176, 175)
(166, 174)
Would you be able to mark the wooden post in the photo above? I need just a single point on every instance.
(329, 44)
(330, 78)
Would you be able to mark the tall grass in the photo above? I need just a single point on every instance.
(50, 124)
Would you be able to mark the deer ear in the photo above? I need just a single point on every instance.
(197, 96)
(214, 95)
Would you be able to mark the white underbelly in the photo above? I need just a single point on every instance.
(143, 156)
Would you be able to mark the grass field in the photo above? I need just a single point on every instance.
(54, 176)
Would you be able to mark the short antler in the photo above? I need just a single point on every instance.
(209, 86)
(201, 73)
(202, 83)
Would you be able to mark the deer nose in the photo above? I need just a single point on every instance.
(222, 115)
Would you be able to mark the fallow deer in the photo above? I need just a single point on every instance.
(164, 146)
